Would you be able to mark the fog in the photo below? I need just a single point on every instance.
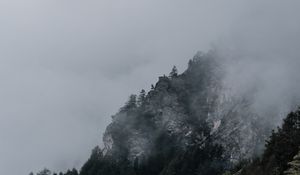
(67, 66)
(262, 57)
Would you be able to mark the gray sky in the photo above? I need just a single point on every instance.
(67, 65)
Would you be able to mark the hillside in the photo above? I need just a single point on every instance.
(187, 124)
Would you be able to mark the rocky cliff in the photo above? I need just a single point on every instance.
(188, 109)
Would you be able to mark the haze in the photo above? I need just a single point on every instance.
(67, 65)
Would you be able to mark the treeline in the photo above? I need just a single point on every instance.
(48, 172)
(281, 155)
(170, 150)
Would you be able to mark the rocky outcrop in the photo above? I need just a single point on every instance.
(189, 108)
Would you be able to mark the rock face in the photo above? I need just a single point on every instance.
(188, 109)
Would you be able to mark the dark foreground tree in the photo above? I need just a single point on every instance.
(281, 148)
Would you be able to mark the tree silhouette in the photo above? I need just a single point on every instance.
(174, 72)
(141, 98)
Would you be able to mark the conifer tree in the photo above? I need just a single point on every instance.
(141, 97)
(284, 143)
(294, 166)
(174, 72)
(131, 103)
(279, 156)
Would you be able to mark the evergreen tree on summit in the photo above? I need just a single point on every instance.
(130, 104)
(174, 72)
(141, 97)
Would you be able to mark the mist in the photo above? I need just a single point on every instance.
(261, 56)
(67, 66)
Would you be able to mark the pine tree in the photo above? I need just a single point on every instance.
(72, 172)
(131, 103)
(281, 149)
(294, 166)
(141, 98)
(174, 72)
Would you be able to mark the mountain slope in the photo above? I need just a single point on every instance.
(182, 113)
(281, 149)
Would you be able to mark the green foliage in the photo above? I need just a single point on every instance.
(98, 164)
(167, 158)
(280, 149)
(201, 161)
(284, 143)
(141, 117)
(150, 116)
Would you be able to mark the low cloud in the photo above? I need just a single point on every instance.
(66, 66)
